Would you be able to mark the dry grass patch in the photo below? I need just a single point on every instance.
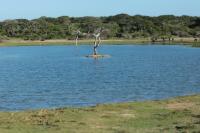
(180, 106)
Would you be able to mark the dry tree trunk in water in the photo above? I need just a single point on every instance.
(77, 37)
(76, 40)
(96, 42)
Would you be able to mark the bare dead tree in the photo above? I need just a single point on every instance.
(96, 42)
(96, 35)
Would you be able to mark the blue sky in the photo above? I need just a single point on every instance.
(30, 9)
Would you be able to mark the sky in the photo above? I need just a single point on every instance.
(30, 9)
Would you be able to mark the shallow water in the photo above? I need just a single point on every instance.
(55, 76)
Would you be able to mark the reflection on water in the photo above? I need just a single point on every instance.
(57, 76)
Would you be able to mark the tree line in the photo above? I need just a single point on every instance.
(118, 26)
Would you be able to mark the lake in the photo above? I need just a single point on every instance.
(36, 77)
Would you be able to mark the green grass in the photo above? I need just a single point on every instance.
(180, 114)
(19, 42)
(196, 44)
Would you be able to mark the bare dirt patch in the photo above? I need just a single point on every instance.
(127, 115)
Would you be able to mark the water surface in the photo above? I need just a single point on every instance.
(55, 76)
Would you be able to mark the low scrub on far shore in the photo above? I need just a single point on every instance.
(121, 26)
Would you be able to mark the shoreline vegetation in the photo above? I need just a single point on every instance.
(121, 28)
(21, 42)
(180, 114)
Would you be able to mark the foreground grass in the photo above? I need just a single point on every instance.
(175, 115)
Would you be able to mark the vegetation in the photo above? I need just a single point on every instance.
(175, 115)
(196, 44)
(120, 26)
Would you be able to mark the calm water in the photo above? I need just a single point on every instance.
(57, 76)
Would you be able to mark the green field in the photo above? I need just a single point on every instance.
(20, 42)
(180, 114)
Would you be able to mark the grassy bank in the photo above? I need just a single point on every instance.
(180, 114)
(19, 42)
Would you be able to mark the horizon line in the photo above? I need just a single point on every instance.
(97, 16)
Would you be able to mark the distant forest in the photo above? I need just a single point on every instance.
(119, 26)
